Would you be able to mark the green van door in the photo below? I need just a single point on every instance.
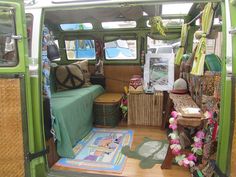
(20, 154)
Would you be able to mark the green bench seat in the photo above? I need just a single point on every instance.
(73, 112)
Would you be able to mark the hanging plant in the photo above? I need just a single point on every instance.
(157, 25)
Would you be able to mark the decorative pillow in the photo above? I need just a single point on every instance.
(69, 77)
(84, 67)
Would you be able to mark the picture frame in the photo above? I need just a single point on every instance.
(159, 72)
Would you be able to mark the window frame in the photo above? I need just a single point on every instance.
(17, 62)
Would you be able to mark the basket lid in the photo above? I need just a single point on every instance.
(109, 98)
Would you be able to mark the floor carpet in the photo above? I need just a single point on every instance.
(100, 151)
(150, 152)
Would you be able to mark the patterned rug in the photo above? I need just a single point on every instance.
(100, 150)
(150, 152)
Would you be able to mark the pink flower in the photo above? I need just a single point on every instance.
(186, 162)
(173, 126)
(174, 114)
(192, 157)
(208, 114)
(200, 134)
(175, 151)
(176, 141)
(198, 144)
(125, 102)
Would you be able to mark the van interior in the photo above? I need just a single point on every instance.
(111, 67)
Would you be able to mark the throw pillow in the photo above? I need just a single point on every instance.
(69, 77)
(84, 67)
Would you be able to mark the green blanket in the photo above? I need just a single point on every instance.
(73, 112)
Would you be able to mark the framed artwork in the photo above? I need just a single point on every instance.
(159, 72)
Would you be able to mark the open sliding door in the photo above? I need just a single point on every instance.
(19, 156)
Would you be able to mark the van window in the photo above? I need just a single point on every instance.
(162, 46)
(119, 24)
(121, 49)
(80, 49)
(8, 48)
(76, 26)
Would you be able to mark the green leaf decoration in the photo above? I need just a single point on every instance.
(157, 25)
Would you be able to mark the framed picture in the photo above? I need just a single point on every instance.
(159, 72)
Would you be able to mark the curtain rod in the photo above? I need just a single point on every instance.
(195, 18)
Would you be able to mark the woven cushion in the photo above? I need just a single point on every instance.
(84, 67)
(68, 77)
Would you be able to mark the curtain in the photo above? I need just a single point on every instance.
(180, 52)
(199, 58)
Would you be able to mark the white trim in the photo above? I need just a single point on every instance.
(36, 32)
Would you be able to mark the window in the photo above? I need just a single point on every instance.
(176, 9)
(8, 48)
(162, 46)
(80, 49)
(121, 49)
(76, 26)
(119, 24)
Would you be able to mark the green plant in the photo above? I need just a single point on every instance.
(157, 25)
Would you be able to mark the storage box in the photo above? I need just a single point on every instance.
(106, 109)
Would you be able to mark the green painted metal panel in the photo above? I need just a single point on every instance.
(233, 23)
(225, 138)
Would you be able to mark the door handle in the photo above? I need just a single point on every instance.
(16, 37)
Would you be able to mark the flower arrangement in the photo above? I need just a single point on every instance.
(182, 159)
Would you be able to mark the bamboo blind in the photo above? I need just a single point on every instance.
(145, 109)
(233, 153)
(11, 141)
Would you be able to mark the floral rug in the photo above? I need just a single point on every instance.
(100, 150)
(150, 152)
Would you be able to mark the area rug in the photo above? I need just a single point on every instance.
(100, 150)
(150, 152)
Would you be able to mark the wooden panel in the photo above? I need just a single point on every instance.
(144, 109)
(11, 141)
(52, 156)
(118, 76)
(233, 153)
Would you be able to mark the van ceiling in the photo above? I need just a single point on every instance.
(100, 14)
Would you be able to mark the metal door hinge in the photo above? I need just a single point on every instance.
(31, 156)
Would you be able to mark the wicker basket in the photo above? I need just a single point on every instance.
(106, 109)
(11, 141)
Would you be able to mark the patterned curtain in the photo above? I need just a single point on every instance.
(199, 58)
(180, 52)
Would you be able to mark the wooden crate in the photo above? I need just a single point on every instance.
(145, 109)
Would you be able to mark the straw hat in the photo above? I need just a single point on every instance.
(180, 86)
